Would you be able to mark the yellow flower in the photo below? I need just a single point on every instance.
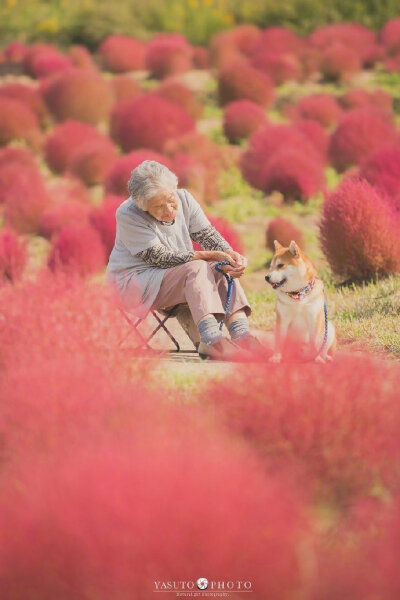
(11, 3)
(50, 25)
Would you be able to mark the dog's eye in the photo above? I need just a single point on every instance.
(280, 266)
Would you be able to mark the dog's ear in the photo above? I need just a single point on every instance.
(277, 245)
(294, 249)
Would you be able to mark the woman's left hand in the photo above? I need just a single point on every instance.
(240, 264)
(241, 261)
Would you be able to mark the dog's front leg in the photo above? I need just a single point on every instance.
(316, 328)
(281, 329)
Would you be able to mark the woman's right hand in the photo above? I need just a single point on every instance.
(219, 255)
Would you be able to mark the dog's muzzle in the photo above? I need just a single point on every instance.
(275, 284)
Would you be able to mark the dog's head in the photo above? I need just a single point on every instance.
(290, 268)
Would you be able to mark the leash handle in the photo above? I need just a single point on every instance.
(230, 287)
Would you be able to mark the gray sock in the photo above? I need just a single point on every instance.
(239, 328)
(209, 330)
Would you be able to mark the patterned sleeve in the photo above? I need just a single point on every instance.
(159, 256)
(210, 239)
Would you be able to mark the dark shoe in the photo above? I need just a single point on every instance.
(223, 349)
(252, 344)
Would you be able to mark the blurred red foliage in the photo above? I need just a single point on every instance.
(121, 53)
(168, 54)
(284, 232)
(13, 255)
(77, 249)
(81, 94)
(238, 81)
(242, 118)
(360, 232)
(148, 122)
(360, 132)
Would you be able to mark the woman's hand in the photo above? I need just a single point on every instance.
(241, 261)
(239, 266)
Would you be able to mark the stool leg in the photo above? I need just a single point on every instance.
(161, 325)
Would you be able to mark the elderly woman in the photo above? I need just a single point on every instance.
(153, 263)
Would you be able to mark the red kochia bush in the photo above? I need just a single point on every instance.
(295, 174)
(182, 95)
(265, 143)
(13, 255)
(224, 50)
(118, 177)
(77, 248)
(201, 57)
(203, 151)
(121, 53)
(246, 37)
(21, 156)
(81, 57)
(62, 214)
(46, 64)
(125, 87)
(102, 218)
(65, 140)
(390, 35)
(368, 535)
(316, 134)
(62, 317)
(15, 52)
(17, 121)
(360, 232)
(280, 67)
(191, 175)
(382, 170)
(340, 432)
(323, 108)
(242, 118)
(24, 195)
(243, 82)
(352, 35)
(27, 94)
(148, 122)
(36, 50)
(360, 132)
(80, 94)
(126, 515)
(228, 233)
(64, 189)
(284, 231)
(358, 97)
(93, 161)
(279, 40)
(168, 54)
(340, 62)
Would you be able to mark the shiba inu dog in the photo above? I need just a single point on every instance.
(299, 304)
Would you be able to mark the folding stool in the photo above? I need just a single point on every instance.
(166, 314)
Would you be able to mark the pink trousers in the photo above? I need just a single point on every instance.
(203, 288)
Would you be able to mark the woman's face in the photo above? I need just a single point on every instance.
(163, 206)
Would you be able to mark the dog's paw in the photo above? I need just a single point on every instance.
(276, 358)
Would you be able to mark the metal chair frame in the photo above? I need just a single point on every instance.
(144, 341)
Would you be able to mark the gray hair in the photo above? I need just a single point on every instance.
(149, 178)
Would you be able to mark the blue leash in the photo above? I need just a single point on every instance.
(230, 287)
(325, 332)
